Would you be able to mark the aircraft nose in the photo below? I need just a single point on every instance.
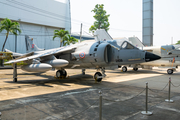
(151, 57)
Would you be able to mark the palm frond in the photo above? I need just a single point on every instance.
(9, 26)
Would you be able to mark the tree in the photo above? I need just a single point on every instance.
(68, 39)
(178, 42)
(101, 18)
(60, 33)
(10, 27)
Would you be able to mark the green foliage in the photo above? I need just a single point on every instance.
(101, 18)
(60, 34)
(10, 27)
(178, 42)
(65, 37)
(68, 39)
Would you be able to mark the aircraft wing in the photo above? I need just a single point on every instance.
(43, 54)
(13, 53)
(25, 55)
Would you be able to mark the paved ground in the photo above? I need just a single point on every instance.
(42, 97)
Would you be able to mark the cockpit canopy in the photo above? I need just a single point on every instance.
(122, 44)
(127, 45)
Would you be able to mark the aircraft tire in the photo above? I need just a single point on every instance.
(135, 69)
(59, 73)
(124, 69)
(170, 71)
(64, 73)
(96, 75)
(14, 79)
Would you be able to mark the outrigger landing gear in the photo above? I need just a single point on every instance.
(61, 73)
(98, 76)
(83, 71)
(14, 72)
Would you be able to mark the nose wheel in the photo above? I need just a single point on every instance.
(124, 68)
(61, 74)
(170, 71)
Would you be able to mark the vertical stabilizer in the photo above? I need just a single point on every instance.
(30, 46)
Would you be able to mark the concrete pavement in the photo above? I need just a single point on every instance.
(41, 96)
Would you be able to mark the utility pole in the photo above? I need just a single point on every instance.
(16, 42)
(81, 32)
(15, 64)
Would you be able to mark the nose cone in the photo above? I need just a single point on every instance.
(151, 57)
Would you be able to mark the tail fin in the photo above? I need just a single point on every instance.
(30, 46)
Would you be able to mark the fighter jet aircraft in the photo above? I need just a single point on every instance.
(170, 57)
(86, 54)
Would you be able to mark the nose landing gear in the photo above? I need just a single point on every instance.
(170, 71)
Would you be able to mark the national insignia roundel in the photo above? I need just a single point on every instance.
(82, 55)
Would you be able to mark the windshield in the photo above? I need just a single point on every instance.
(127, 45)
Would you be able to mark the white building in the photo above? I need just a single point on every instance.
(38, 19)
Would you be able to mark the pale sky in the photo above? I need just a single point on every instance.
(126, 18)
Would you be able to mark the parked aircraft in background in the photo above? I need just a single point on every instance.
(170, 57)
(87, 54)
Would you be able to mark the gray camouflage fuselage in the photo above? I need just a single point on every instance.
(91, 54)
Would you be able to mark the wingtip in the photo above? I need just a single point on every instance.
(9, 62)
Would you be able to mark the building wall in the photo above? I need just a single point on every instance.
(38, 19)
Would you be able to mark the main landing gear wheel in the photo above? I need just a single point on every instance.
(170, 71)
(61, 74)
(135, 69)
(124, 68)
(98, 76)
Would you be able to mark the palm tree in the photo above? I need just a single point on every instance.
(60, 33)
(10, 27)
(68, 39)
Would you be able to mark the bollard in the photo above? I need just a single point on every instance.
(146, 112)
(100, 105)
(169, 94)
